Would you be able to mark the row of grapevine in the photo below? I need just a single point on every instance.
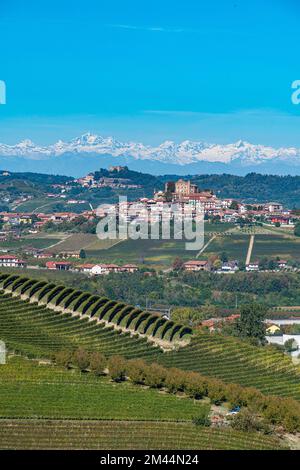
(117, 314)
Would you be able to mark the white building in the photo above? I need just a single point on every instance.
(11, 261)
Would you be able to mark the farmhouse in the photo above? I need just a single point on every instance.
(11, 261)
(195, 265)
(273, 207)
(252, 266)
(85, 268)
(129, 268)
(280, 219)
(230, 267)
(282, 264)
(58, 265)
(99, 269)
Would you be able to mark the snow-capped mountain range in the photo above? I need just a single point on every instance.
(187, 156)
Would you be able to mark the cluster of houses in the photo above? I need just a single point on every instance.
(91, 181)
(227, 210)
(182, 192)
(280, 264)
(14, 222)
(205, 265)
(230, 266)
(92, 269)
(13, 261)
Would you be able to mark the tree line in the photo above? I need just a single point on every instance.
(268, 410)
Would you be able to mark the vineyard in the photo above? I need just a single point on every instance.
(38, 332)
(235, 361)
(51, 317)
(123, 435)
(54, 409)
(49, 301)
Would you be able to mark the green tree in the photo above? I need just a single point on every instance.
(117, 368)
(63, 359)
(251, 322)
(177, 264)
(81, 359)
(291, 345)
(248, 422)
(297, 230)
(224, 257)
(234, 205)
(97, 363)
(155, 375)
(82, 254)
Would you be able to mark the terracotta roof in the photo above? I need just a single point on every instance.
(195, 263)
(87, 266)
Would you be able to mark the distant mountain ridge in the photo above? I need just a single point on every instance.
(90, 151)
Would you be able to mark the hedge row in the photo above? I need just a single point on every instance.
(284, 412)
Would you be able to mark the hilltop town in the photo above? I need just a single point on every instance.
(66, 240)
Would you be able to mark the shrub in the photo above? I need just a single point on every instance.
(175, 380)
(202, 419)
(63, 359)
(216, 391)
(81, 359)
(283, 411)
(97, 363)
(155, 375)
(136, 370)
(195, 385)
(235, 395)
(117, 368)
(248, 422)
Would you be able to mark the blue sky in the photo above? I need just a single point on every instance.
(150, 70)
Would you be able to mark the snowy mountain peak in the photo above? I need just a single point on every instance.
(184, 153)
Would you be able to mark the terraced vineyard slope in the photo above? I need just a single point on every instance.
(235, 361)
(38, 332)
(39, 298)
(58, 409)
(38, 318)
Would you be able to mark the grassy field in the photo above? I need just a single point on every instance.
(154, 253)
(234, 245)
(38, 242)
(234, 241)
(108, 415)
(160, 254)
(86, 241)
(276, 245)
(43, 203)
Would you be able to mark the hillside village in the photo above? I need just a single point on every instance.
(16, 225)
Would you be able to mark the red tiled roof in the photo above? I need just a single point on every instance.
(87, 266)
(195, 263)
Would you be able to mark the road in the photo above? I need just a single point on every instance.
(250, 248)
